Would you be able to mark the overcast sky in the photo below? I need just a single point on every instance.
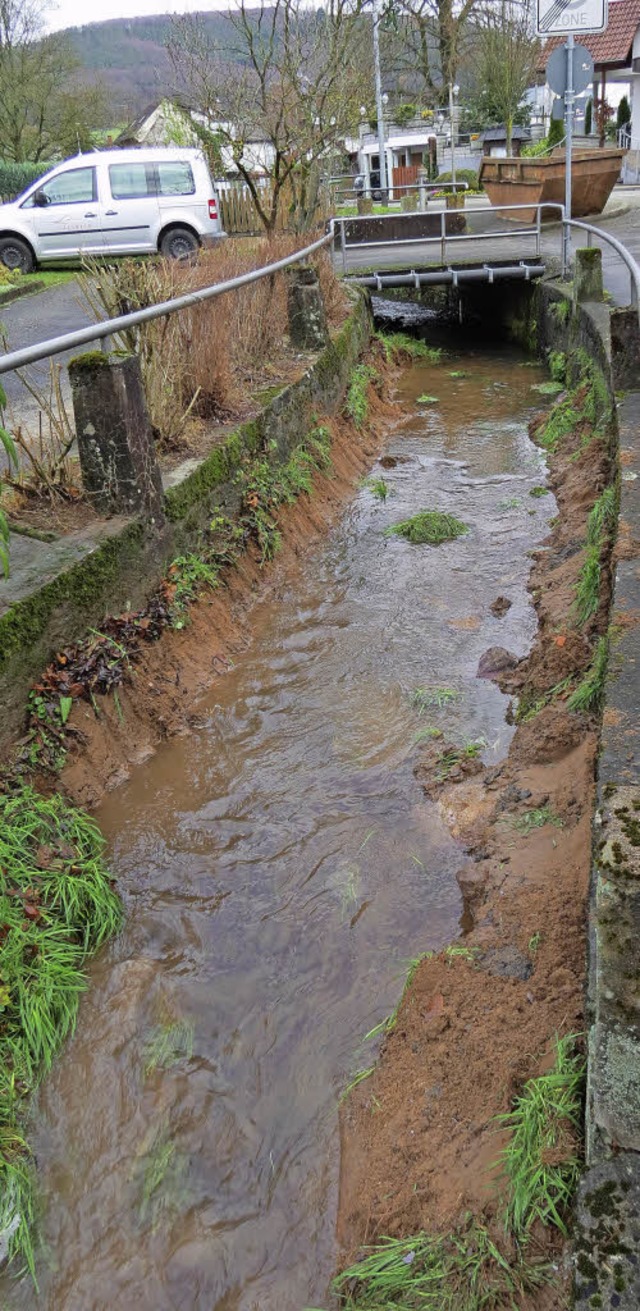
(75, 13)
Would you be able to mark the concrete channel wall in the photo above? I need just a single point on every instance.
(68, 588)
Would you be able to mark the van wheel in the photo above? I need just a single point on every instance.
(179, 243)
(16, 255)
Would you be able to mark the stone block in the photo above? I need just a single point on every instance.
(120, 471)
(307, 319)
(607, 1237)
(587, 275)
(625, 348)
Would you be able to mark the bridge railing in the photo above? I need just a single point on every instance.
(446, 241)
(448, 237)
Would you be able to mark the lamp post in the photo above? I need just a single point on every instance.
(379, 100)
(453, 94)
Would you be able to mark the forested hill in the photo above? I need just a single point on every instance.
(128, 55)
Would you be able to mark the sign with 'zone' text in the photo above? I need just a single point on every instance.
(570, 17)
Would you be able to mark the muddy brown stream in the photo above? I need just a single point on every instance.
(280, 867)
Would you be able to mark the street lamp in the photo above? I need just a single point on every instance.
(379, 100)
(454, 92)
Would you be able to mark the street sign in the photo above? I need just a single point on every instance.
(556, 70)
(575, 17)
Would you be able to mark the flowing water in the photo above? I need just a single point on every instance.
(280, 866)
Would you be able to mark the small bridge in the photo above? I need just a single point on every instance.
(445, 247)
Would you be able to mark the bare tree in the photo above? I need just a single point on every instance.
(284, 90)
(429, 39)
(508, 55)
(40, 107)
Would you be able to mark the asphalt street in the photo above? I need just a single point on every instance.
(32, 319)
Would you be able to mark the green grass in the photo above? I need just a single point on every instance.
(562, 420)
(357, 402)
(588, 589)
(541, 1160)
(426, 734)
(56, 905)
(558, 365)
(549, 388)
(459, 373)
(399, 344)
(355, 1080)
(561, 311)
(538, 818)
(264, 487)
(461, 1271)
(168, 1044)
(428, 526)
(601, 526)
(378, 487)
(537, 492)
(189, 575)
(589, 694)
(426, 399)
(426, 698)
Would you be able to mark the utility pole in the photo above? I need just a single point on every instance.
(453, 148)
(379, 105)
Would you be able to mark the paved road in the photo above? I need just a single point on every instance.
(35, 318)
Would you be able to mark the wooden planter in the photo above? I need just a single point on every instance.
(515, 181)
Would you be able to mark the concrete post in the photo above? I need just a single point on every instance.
(587, 275)
(423, 178)
(364, 205)
(625, 349)
(307, 319)
(120, 471)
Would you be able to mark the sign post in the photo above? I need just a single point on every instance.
(568, 141)
(565, 18)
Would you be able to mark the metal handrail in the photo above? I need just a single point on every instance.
(443, 239)
(109, 327)
(626, 256)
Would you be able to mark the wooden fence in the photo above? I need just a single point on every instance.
(406, 177)
(239, 216)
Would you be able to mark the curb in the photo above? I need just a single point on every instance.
(17, 293)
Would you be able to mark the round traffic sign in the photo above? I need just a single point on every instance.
(557, 69)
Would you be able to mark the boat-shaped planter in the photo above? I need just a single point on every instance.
(520, 181)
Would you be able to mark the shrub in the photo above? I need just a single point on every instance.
(467, 175)
(15, 178)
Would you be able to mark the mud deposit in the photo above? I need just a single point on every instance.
(281, 864)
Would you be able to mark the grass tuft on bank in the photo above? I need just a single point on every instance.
(541, 1161)
(428, 526)
(462, 1271)
(57, 904)
(472, 1269)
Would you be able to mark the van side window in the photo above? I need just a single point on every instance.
(175, 178)
(75, 187)
(131, 181)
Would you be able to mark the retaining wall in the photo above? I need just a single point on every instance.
(69, 587)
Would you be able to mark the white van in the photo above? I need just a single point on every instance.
(113, 202)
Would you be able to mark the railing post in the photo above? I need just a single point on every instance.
(443, 235)
(120, 471)
(342, 246)
(564, 227)
(538, 230)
